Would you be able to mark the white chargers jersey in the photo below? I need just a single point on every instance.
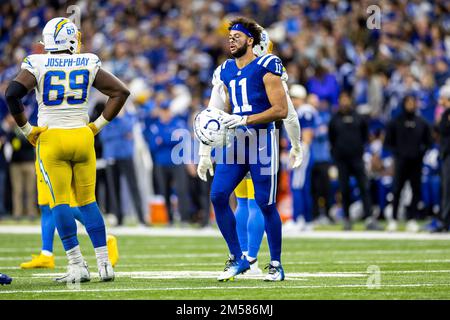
(63, 85)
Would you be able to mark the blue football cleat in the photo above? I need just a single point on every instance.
(435, 226)
(276, 273)
(233, 267)
(4, 279)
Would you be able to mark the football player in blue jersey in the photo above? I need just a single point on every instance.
(249, 218)
(256, 98)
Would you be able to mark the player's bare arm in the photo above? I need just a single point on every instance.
(278, 102)
(16, 90)
(115, 89)
(109, 85)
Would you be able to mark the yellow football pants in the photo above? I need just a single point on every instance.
(66, 165)
(245, 189)
(43, 191)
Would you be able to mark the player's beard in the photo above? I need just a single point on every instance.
(240, 52)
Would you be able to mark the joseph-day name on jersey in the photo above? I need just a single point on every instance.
(63, 85)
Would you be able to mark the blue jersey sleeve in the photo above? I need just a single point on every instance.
(272, 64)
(306, 120)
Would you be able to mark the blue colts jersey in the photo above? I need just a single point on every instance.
(245, 86)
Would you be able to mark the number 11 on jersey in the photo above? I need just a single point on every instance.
(244, 106)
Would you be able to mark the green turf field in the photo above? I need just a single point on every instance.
(186, 267)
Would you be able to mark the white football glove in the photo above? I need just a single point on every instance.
(234, 121)
(205, 165)
(296, 156)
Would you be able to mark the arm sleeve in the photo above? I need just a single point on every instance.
(14, 94)
(291, 122)
(204, 150)
(218, 97)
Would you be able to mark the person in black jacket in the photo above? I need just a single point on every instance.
(3, 172)
(444, 130)
(348, 133)
(22, 172)
(408, 137)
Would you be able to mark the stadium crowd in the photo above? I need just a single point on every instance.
(167, 50)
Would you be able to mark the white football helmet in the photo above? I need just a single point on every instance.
(61, 34)
(209, 128)
(265, 45)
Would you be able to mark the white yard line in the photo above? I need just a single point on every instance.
(390, 261)
(221, 288)
(211, 232)
(18, 250)
(298, 253)
(213, 274)
(208, 274)
(324, 262)
(299, 276)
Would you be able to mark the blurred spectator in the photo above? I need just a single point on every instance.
(375, 90)
(431, 180)
(3, 172)
(325, 86)
(348, 133)
(301, 177)
(379, 164)
(163, 129)
(320, 152)
(408, 137)
(23, 175)
(444, 129)
(118, 148)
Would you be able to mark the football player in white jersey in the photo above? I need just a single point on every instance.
(64, 138)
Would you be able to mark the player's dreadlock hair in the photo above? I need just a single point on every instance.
(251, 26)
